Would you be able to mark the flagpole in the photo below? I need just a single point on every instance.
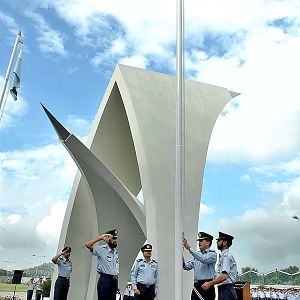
(179, 172)
(12, 57)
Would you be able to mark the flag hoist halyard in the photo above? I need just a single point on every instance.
(179, 170)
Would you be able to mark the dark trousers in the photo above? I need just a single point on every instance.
(209, 294)
(147, 292)
(107, 287)
(29, 294)
(227, 292)
(61, 288)
(127, 297)
(38, 295)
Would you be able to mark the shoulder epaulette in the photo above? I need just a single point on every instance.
(140, 259)
(211, 251)
(154, 261)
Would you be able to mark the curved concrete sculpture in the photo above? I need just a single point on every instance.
(131, 147)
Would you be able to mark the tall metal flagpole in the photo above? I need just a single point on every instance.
(179, 173)
(12, 57)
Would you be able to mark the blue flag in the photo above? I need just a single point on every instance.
(16, 77)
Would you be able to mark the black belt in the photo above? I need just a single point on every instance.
(147, 286)
(62, 277)
(202, 280)
(225, 285)
(108, 275)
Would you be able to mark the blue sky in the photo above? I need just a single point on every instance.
(251, 186)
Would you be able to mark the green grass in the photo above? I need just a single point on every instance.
(7, 287)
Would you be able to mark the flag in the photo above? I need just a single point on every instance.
(16, 77)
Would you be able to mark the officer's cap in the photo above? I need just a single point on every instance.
(204, 236)
(225, 236)
(66, 249)
(146, 247)
(129, 283)
(113, 232)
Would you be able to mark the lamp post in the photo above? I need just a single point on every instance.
(38, 262)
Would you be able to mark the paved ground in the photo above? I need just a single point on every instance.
(19, 295)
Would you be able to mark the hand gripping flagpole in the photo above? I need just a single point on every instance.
(12, 57)
(179, 172)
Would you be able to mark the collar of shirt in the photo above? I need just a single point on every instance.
(224, 252)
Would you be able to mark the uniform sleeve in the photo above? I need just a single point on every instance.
(134, 271)
(206, 258)
(156, 279)
(97, 251)
(189, 265)
(226, 265)
(58, 262)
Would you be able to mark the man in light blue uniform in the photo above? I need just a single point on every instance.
(129, 292)
(39, 289)
(62, 284)
(144, 276)
(30, 289)
(226, 268)
(107, 264)
(203, 263)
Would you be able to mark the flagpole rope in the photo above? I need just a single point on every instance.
(194, 289)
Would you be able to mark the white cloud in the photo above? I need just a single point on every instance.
(13, 218)
(13, 110)
(245, 178)
(9, 22)
(50, 40)
(257, 59)
(138, 61)
(259, 231)
(275, 187)
(49, 228)
(205, 209)
(78, 125)
(32, 183)
(286, 168)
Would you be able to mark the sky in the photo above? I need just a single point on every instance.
(251, 186)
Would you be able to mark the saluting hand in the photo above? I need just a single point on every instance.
(106, 237)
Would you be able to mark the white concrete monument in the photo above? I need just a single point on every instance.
(131, 147)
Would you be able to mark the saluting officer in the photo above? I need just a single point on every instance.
(62, 284)
(129, 292)
(144, 276)
(226, 268)
(30, 289)
(107, 264)
(203, 263)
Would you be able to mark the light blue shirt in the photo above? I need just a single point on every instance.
(30, 286)
(64, 267)
(128, 292)
(203, 264)
(227, 264)
(145, 272)
(107, 259)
